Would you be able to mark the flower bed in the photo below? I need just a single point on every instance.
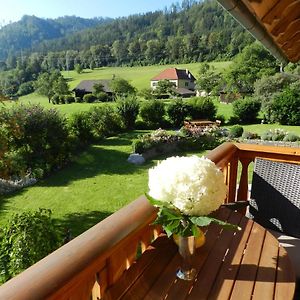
(162, 141)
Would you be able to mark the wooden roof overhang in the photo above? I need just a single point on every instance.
(275, 23)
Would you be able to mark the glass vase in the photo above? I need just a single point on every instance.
(186, 248)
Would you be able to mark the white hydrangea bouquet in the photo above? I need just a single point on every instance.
(186, 190)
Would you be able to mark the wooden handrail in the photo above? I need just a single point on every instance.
(86, 266)
(81, 258)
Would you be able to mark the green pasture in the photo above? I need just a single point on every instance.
(139, 77)
(66, 109)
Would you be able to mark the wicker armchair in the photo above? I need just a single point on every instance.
(275, 196)
(275, 204)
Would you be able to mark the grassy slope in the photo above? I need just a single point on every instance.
(96, 184)
(139, 77)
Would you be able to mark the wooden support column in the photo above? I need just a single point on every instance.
(243, 187)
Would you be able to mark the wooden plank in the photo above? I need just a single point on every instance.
(116, 265)
(266, 275)
(243, 286)
(285, 281)
(131, 252)
(180, 288)
(167, 279)
(158, 248)
(225, 280)
(152, 273)
(207, 275)
(84, 291)
(146, 237)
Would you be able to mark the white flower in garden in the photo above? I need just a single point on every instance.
(192, 184)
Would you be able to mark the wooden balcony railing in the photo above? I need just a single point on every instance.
(89, 265)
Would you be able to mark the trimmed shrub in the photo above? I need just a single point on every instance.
(37, 137)
(202, 108)
(250, 135)
(55, 99)
(27, 238)
(89, 98)
(277, 134)
(69, 99)
(222, 119)
(80, 126)
(62, 99)
(138, 146)
(285, 106)
(105, 121)
(78, 100)
(291, 137)
(146, 93)
(246, 110)
(152, 113)
(177, 112)
(236, 131)
(102, 97)
(128, 109)
(233, 120)
(26, 88)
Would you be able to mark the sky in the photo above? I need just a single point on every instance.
(13, 10)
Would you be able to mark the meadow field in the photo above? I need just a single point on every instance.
(139, 77)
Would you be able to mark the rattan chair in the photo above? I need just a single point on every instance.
(275, 204)
(275, 196)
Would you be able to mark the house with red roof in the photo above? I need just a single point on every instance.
(184, 81)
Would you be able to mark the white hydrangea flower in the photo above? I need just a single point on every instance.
(192, 184)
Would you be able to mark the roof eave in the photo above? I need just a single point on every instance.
(242, 14)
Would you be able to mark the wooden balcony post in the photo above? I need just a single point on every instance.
(232, 178)
(243, 187)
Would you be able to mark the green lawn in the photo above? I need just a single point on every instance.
(261, 128)
(97, 183)
(223, 109)
(67, 109)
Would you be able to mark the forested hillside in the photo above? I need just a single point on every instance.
(27, 33)
(189, 32)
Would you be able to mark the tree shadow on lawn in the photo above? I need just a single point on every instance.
(93, 162)
(77, 223)
(6, 198)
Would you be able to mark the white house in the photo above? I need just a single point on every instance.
(182, 79)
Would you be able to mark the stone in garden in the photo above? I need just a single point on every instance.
(136, 159)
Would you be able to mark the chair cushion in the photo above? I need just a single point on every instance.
(292, 247)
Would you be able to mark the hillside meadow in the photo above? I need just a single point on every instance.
(139, 77)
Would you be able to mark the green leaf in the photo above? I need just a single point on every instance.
(170, 213)
(159, 203)
(153, 201)
(168, 231)
(205, 221)
(201, 221)
(195, 230)
(172, 227)
(226, 225)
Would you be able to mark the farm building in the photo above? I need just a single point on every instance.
(183, 80)
(87, 87)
